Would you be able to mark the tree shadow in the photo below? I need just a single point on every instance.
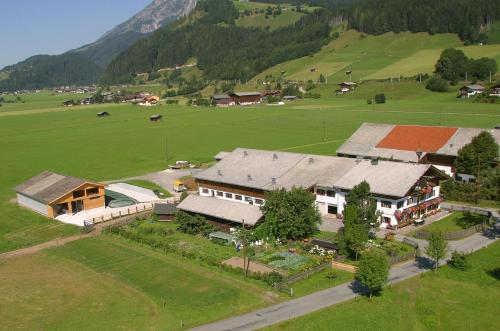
(424, 263)
(359, 289)
(495, 273)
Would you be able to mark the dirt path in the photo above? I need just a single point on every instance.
(48, 244)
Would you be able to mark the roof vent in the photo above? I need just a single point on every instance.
(275, 157)
(358, 161)
(245, 153)
(273, 180)
(451, 145)
(219, 172)
(311, 160)
(374, 161)
(249, 177)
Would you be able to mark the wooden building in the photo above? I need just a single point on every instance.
(246, 98)
(52, 194)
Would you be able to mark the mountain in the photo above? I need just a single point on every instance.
(85, 65)
(156, 15)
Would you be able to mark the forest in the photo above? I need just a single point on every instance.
(223, 50)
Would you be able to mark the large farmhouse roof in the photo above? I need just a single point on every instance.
(246, 94)
(401, 142)
(222, 209)
(268, 170)
(48, 186)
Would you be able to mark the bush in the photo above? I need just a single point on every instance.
(193, 224)
(332, 274)
(437, 84)
(380, 98)
(369, 101)
(459, 261)
(273, 278)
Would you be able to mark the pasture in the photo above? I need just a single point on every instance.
(376, 57)
(74, 141)
(449, 300)
(108, 283)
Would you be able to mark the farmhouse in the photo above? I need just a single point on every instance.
(403, 191)
(222, 100)
(52, 194)
(470, 91)
(246, 98)
(434, 145)
(346, 87)
(495, 91)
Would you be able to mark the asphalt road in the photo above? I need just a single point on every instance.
(322, 299)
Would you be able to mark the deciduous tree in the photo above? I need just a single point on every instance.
(373, 270)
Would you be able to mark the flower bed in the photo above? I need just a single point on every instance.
(287, 261)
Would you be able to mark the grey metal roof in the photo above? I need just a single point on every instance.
(363, 142)
(245, 94)
(164, 208)
(268, 170)
(223, 209)
(48, 186)
(221, 96)
(475, 87)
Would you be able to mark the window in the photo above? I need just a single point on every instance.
(220, 194)
(249, 200)
(433, 194)
(93, 191)
(259, 201)
(78, 194)
(412, 200)
(330, 193)
(320, 191)
(386, 204)
(238, 197)
(229, 195)
(401, 204)
(204, 190)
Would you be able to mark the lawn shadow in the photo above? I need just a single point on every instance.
(495, 273)
(358, 288)
(424, 263)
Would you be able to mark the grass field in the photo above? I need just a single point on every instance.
(455, 222)
(449, 300)
(74, 141)
(109, 283)
(259, 20)
(376, 57)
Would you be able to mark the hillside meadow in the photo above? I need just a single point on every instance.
(76, 142)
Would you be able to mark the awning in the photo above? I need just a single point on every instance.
(222, 209)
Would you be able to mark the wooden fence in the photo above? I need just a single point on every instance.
(402, 258)
(283, 286)
(455, 235)
(344, 267)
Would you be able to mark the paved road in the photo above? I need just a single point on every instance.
(316, 301)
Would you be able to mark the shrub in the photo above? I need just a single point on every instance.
(437, 84)
(369, 101)
(332, 274)
(273, 278)
(380, 98)
(459, 261)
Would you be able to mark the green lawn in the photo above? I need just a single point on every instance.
(449, 300)
(259, 20)
(150, 186)
(108, 283)
(127, 144)
(455, 222)
(320, 281)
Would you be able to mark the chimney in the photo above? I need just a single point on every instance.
(311, 160)
(219, 173)
(374, 161)
(245, 153)
(275, 157)
(249, 177)
(273, 180)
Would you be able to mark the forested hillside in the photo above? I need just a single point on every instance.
(223, 50)
(46, 70)
(469, 19)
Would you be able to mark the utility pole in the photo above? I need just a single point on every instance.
(244, 241)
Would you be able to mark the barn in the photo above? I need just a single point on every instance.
(52, 194)
(246, 98)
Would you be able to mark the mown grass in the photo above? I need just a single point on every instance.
(320, 281)
(455, 222)
(286, 18)
(76, 142)
(109, 283)
(449, 300)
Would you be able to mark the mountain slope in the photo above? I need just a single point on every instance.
(85, 65)
(156, 15)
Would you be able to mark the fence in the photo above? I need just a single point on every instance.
(402, 258)
(344, 267)
(283, 286)
(119, 218)
(455, 235)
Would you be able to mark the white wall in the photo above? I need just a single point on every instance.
(32, 204)
(247, 199)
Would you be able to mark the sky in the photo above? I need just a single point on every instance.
(31, 27)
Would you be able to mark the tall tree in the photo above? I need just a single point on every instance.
(289, 215)
(478, 155)
(373, 270)
(437, 247)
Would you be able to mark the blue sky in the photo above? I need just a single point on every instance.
(30, 27)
